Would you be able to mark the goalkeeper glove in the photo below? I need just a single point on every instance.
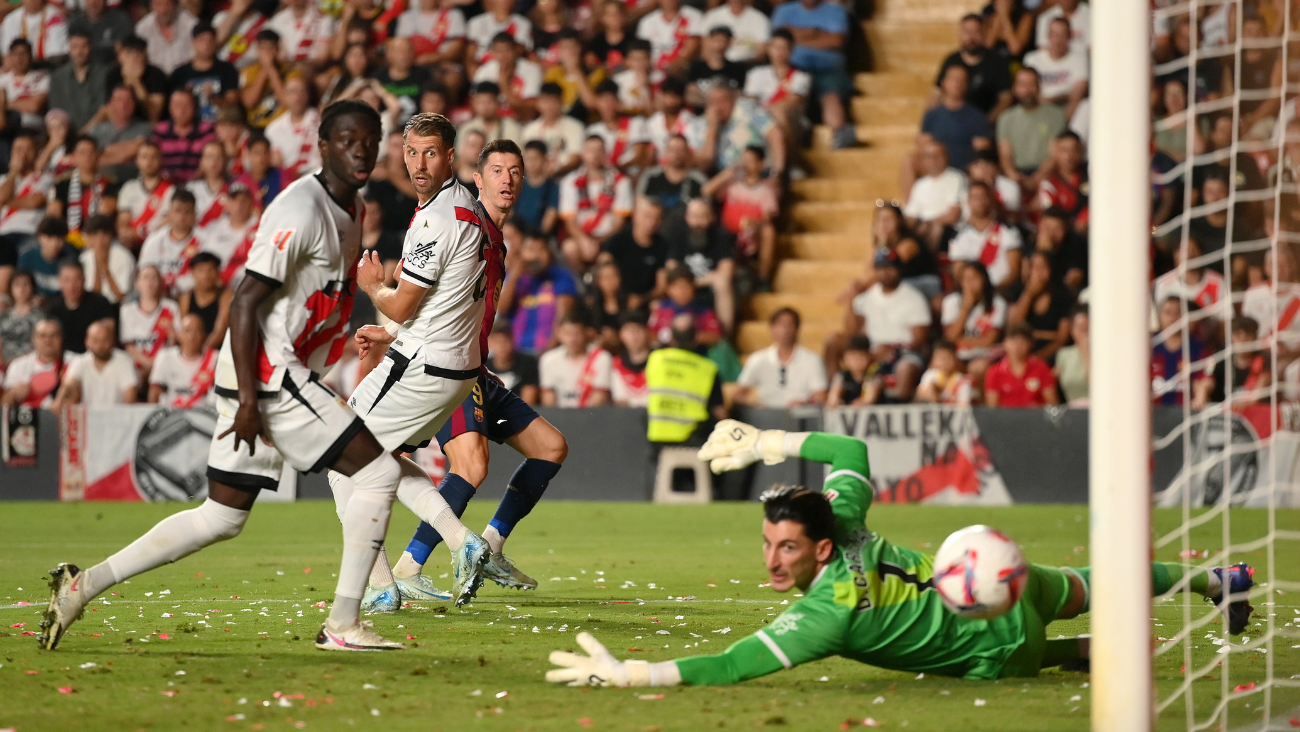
(600, 668)
(734, 445)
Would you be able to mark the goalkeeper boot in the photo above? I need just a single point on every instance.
(1236, 581)
(66, 605)
(420, 589)
(386, 599)
(467, 567)
(360, 637)
(502, 571)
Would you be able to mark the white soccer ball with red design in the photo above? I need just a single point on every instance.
(979, 573)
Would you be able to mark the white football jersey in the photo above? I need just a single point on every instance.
(445, 252)
(307, 248)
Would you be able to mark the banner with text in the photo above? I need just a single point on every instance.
(923, 453)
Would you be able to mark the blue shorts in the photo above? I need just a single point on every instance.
(492, 410)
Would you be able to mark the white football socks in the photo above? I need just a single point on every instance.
(380, 574)
(407, 566)
(494, 538)
(365, 522)
(418, 493)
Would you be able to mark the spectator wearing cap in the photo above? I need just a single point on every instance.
(1020, 379)
(750, 29)
(304, 32)
(25, 88)
(262, 82)
(148, 83)
(120, 135)
(536, 294)
(33, 378)
(538, 205)
(674, 33)
(294, 148)
(517, 370)
(935, 199)
(42, 24)
(1062, 69)
(896, 317)
(209, 299)
(560, 133)
(988, 76)
(487, 120)
(672, 183)
(43, 260)
(401, 77)
(785, 374)
(519, 79)
(858, 383)
(640, 251)
(102, 376)
(168, 30)
(79, 87)
(820, 30)
(75, 308)
(595, 200)
(236, 30)
(213, 82)
(108, 266)
(734, 123)
(103, 26)
(86, 191)
(713, 63)
(960, 127)
(437, 34)
(482, 28)
(638, 79)
(672, 117)
(1025, 132)
(708, 250)
(680, 299)
(182, 137)
(983, 237)
(626, 137)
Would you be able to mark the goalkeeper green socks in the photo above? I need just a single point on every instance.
(1164, 575)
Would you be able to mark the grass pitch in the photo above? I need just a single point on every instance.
(222, 639)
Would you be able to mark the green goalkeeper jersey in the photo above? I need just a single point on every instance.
(873, 603)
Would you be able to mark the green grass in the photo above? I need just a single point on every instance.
(257, 597)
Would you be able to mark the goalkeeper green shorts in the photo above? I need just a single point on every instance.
(1046, 593)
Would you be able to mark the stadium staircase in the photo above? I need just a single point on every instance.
(825, 241)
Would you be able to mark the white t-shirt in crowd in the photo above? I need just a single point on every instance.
(605, 221)
(147, 331)
(1080, 25)
(628, 387)
(687, 124)
(1058, 76)
(891, 316)
(563, 139)
(103, 385)
(762, 84)
(988, 246)
(241, 48)
(133, 198)
(176, 375)
(1282, 313)
(1007, 192)
(1204, 294)
(526, 82)
(29, 369)
(173, 49)
(47, 31)
(305, 39)
(121, 267)
(978, 322)
(668, 36)
(482, 28)
(440, 26)
(30, 84)
(172, 258)
(635, 94)
(621, 141)
(952, 388)
(25, 221)
(777, 384)
(933, 196)
(574, 380)
(296, 141)
(750, 31)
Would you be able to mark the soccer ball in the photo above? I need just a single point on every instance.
(979, 573)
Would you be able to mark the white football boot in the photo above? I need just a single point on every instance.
(502, 571)
(384, 599)
(420, 589)
(66, 605)
(360, 637)
(467, 567)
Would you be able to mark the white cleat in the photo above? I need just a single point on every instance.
(502, 571)
(360, 637)
(65, 605)
(384, 599)
(420, 589)
(467, 567)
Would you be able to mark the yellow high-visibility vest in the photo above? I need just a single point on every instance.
(679, 383)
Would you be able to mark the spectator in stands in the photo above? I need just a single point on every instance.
(1044, 305)
(18, 321)
(143, 202)
(560, 133)
(169, 31)
(749, 207)
(577, 73)
(293, 134)
(25, 88)
(1252, 371)
(517, 370)
(119, 137)
(108, 266)
(40, 22)
(148, 83)
(1025, 132)
(147, 320)
(261, 83)
(481, 29)
(680, 299)
(171, 248)
(209, 299)
(733, 125)
(857, 384)
(973, 319)
(709, 251)
(79, 87)
(713, 63)
(538, 206)
(349, 77)
(672, 183)
(209, 185)
(1072, 366)
(32, 379)
(595, 200)
(437, 33)
(469, 146)
(536, 294)
(1006, 192)
(944, 382)
(782, 89)
(627, 375)
(1172, 128)
(896, 318)
(76, 309)
(1201, 286)
(1261, 70)
(103, 26)
(404, 80)
(1062, 69)
(103, 376)
(1066, 185)
(637, 80)
(1171, 374)
(640, 252)
(236, 30)
(959, 127)
(988, 75)
(1078, 17)
(575, 373)
(182, 374)
(213, 82)
(305, 32)
(673, 118)
(42, 261)
(1008, 28)
(1069, 250)
(86, 192)
(674, 33)
(1020, 379)
(784, 375)
(983, 238)
(916, 264)
(935, 199)
(627, 138)
(750, 29)
(487, 120)
(820, 31)
(608, 45)
(260, 177)
(606, 304)
(23, 193)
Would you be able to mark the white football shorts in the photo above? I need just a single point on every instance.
(405, 401)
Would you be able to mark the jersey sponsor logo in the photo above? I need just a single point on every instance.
(853, 545)
(786, 623)
(422, 253)
(831, 494)
(280, 239)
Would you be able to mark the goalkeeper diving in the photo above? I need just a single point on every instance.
(871, 601)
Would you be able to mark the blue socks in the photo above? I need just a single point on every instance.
(456, 491)
(524, 491)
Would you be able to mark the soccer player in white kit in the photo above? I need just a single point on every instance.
(287, 325)
(436, 312)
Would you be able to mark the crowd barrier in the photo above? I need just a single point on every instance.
(919, 453)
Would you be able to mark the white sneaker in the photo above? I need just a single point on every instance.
(384, 599)
(420, 589)
(65, 605)
(502, 571)
(360, 637)
(467, 567)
